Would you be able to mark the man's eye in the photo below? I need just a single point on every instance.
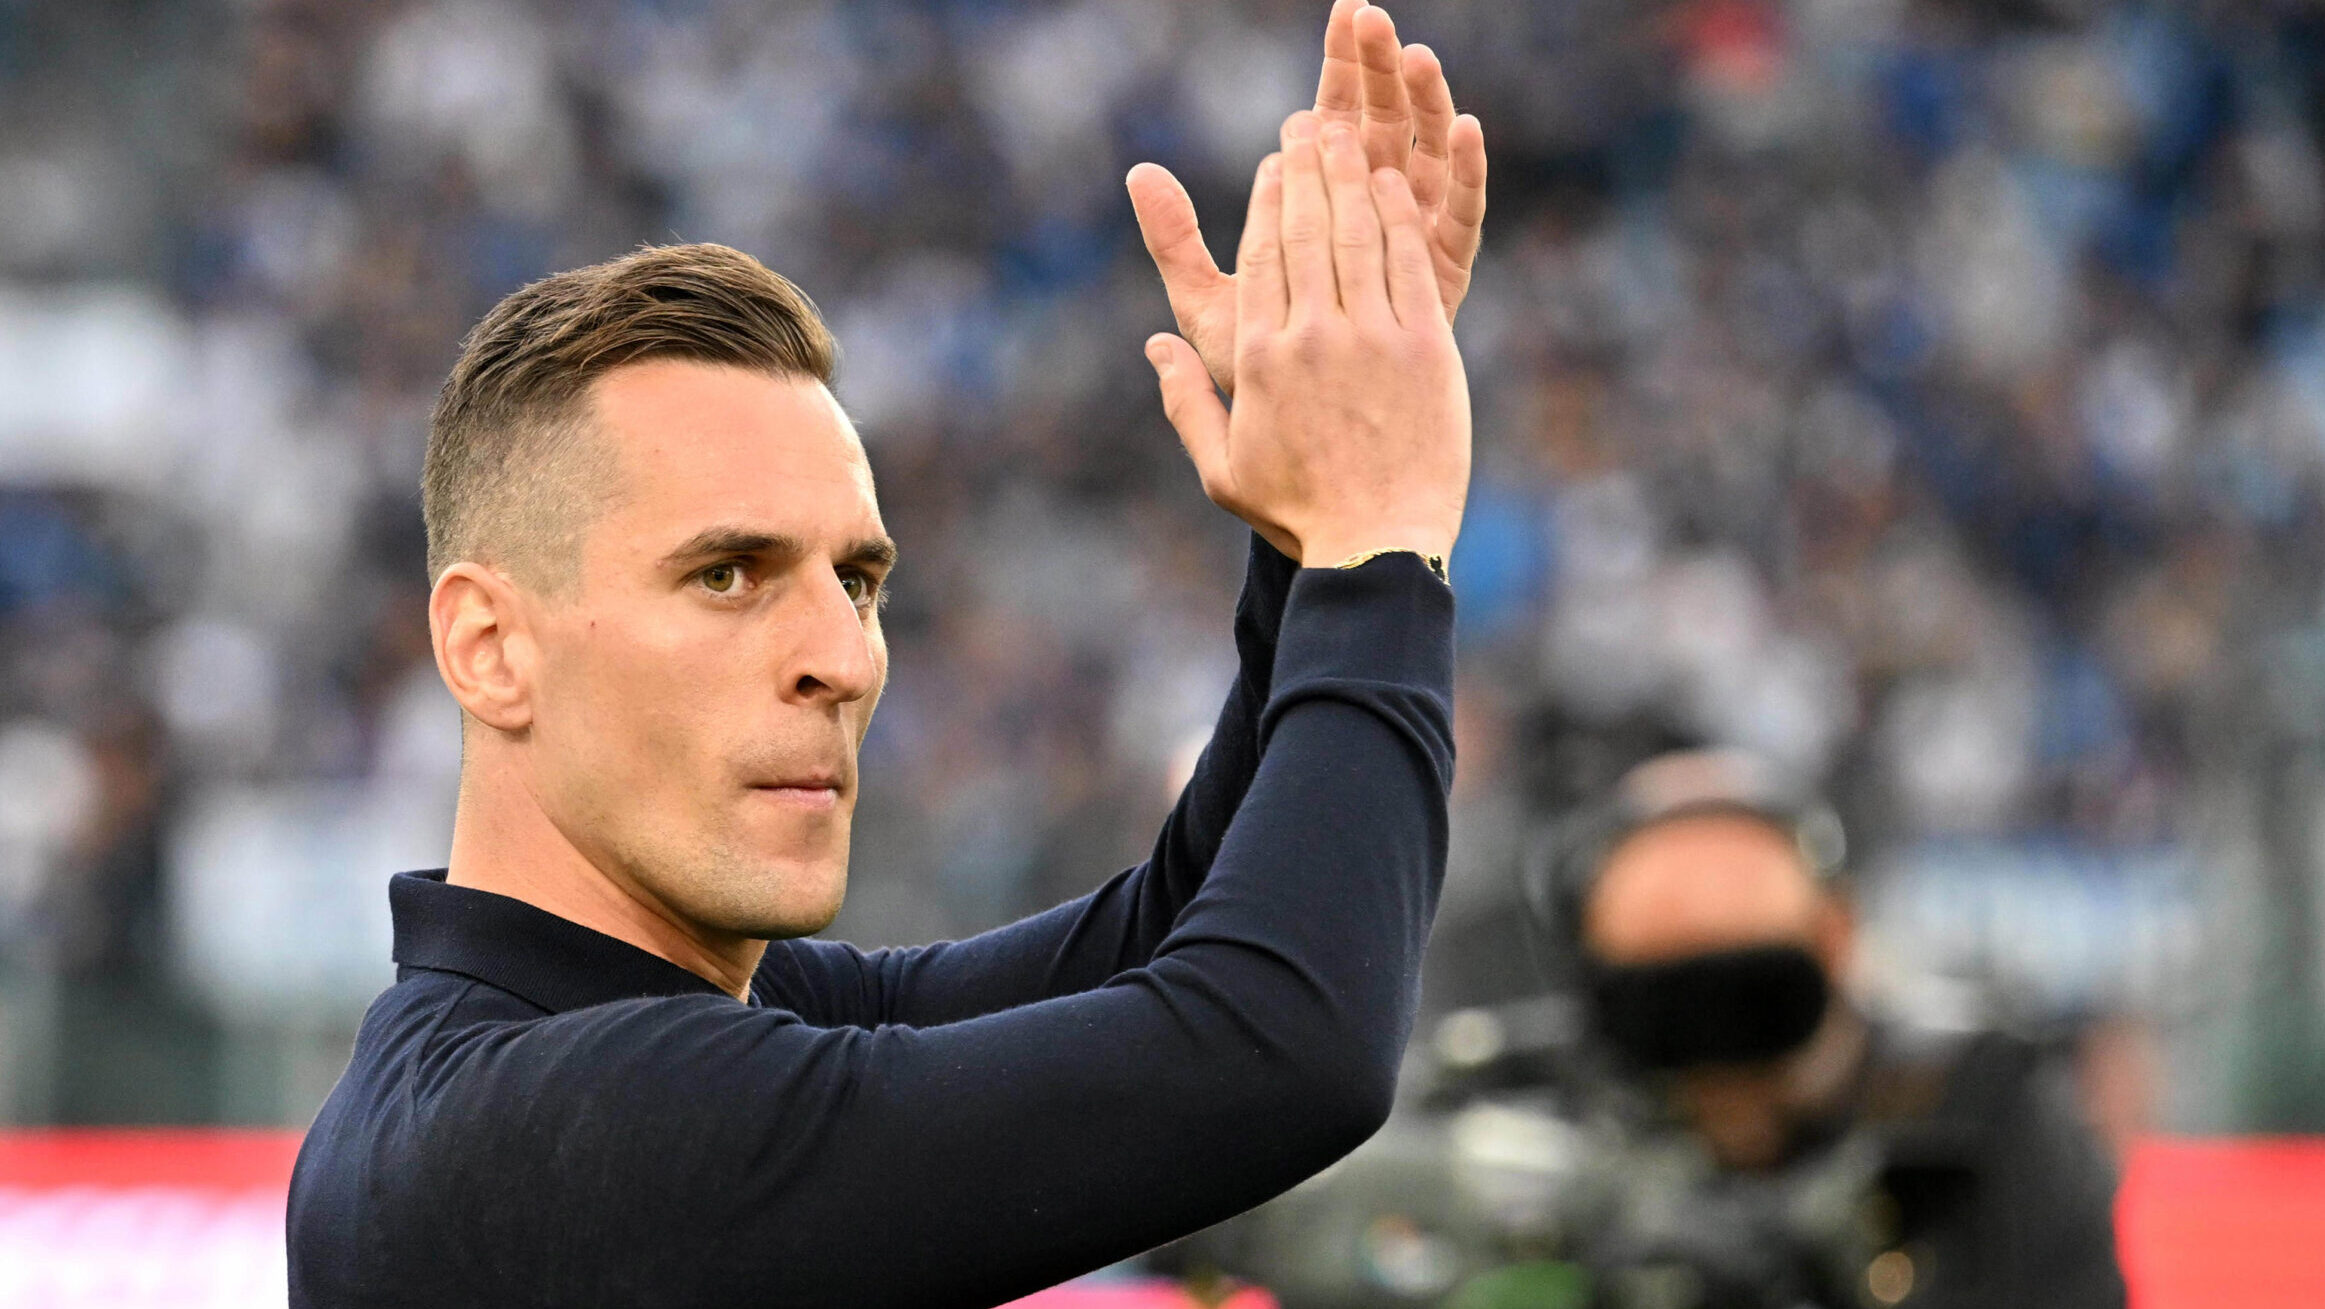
(859, 586)
(721, 579)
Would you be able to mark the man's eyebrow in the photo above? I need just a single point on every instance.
(729, 540)
(724, 540)
(879, 550)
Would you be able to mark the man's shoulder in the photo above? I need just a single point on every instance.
(421, 1005)
(438, 1041)
(403, 1025)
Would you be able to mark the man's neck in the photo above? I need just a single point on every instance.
(505, 844)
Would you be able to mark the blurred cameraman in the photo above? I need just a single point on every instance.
(1844, 1160)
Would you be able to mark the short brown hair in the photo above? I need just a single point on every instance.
(509, 463)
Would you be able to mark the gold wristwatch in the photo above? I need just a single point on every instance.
(1436, 563)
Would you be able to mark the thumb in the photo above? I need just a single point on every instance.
(1193, 408)
(1166, 219)
(1202, 298)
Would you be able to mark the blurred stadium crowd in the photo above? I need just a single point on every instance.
(1929, 394)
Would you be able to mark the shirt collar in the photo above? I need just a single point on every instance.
(552, 962)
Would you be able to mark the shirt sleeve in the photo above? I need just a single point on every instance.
(1082, 943)
(681, 1150)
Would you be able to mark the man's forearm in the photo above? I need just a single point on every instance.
(1190, 836)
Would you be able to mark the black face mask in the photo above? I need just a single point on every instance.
(1727, 1007)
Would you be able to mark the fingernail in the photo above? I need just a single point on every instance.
(1300, 128)
(1157, 355)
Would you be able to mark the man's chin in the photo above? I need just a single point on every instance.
(785, 898)
(791, 923)
(786, 877)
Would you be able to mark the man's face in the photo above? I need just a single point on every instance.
(701, 693)
(1708, 883)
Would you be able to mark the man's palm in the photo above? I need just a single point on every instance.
(1398, 101)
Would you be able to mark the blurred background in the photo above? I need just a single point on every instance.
(1926, 394)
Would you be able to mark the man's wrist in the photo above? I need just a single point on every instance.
(1434, 562)
(1354, 550)
(1334, 549)
(1376, 623)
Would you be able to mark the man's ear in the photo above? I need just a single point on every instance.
(483, 649)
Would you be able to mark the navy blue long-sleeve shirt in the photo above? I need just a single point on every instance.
(536, 1113)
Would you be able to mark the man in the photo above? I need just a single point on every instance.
(1715, 942)
(610, 1072)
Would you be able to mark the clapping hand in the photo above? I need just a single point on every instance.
(1402, 112)
(1351, 430)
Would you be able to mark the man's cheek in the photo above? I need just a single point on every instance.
(871, 702)
(671, 711)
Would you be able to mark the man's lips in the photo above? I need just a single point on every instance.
(814, 791)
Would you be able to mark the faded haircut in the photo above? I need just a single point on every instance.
(513, 474)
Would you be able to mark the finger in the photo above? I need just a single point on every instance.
(1356, 253)
(1307, 220)
(1340, 87)
(1460, 222)
(1412, 279)
(1388, 116)
(1432, 104)
(1166, 218)
(1193, 408)
(1260, 297)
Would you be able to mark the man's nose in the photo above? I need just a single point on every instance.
(833, 659)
